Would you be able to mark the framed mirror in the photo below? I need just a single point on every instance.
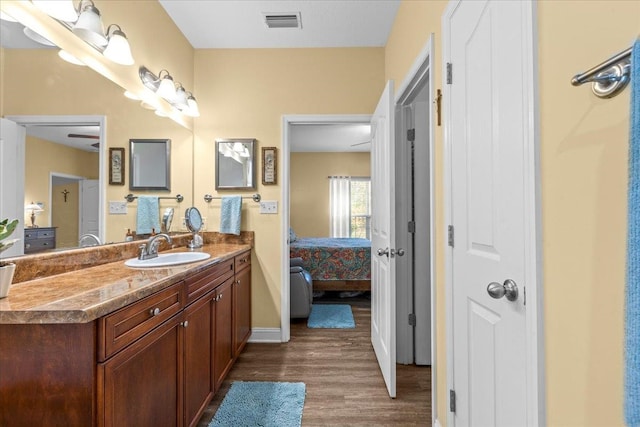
(235, 164)
(149, 164)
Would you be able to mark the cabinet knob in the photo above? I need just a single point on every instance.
(154, 311)
(185, 323)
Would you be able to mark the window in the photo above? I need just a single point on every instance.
(350, 200)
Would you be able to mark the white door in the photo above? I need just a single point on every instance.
(383, 286)
(12, 137)
(89, 190)
(489, 127)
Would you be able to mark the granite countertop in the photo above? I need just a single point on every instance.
(84, 295)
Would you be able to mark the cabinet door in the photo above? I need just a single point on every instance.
(198, 357)
(223, 348)
(241, 310)
(142, 385)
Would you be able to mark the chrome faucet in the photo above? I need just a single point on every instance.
(96, 240)
(150, 250)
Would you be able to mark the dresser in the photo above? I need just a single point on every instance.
(39, 239)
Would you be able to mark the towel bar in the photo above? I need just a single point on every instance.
(256, 197)
(610, 77)
(130, 198)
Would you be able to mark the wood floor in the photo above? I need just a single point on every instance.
(343, 382)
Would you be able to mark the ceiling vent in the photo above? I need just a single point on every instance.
(282, 20)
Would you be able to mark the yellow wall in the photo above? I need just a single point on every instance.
(65, 214)
(43, 157)
(584, 144)
(309, 188)
(245, 93)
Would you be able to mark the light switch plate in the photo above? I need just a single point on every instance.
(269, 207)
(117, 207)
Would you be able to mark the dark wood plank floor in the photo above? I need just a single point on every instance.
(343, 381)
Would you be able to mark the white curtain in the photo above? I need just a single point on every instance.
(339, 205)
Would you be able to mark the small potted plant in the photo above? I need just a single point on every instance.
(6, 269)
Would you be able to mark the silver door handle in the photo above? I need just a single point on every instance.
(399, 252)
(383, 252)
(509, 288)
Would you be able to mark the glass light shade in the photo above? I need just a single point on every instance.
(167, 90)
(193, 109)
(118, 49)
(36, 37)
(180, 100)
(89, 26)
(62, 10)
(161, 113)
(70, 58)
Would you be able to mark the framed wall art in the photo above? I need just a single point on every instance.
(269, 165)
(116, 166)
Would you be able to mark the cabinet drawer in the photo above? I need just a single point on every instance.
(39, 244)
(243, 261)
(201, 283)
(45, 234)
(119, 329)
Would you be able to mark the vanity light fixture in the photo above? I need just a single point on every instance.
(70, 58)
(89, 25)
(193, 110)
(180, 101)
(118, 49)
(62, 10)
(131, 95)
(167, 88)
(36, 37)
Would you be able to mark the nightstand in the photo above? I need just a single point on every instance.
(39, 239)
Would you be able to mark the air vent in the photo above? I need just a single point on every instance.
(282, 20)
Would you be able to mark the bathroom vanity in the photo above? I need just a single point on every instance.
(113, 346)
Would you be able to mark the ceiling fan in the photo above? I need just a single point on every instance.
(79, 135)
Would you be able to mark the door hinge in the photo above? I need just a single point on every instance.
(411, 135)
(411, 226)
(412, 319)
(449, 73)
(450, 234)
(452, 401)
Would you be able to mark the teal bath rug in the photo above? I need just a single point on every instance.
(331, 316)
(265, 404)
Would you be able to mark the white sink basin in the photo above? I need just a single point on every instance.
(167, 260)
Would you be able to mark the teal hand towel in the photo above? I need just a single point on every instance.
(231, 215)
(148, 216)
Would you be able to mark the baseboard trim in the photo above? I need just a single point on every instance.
(268, 335)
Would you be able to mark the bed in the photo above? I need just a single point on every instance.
(335, 264)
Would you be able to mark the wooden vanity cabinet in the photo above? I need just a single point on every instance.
(242, 302)
(157, 361)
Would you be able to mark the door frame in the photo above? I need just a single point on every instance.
(420, 73)
(287, 120)
(25, 120)
(535, 388)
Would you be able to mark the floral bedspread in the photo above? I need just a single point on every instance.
(334, 258)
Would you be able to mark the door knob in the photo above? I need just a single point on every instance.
(509, 288)
(399, 252)
(383, 252)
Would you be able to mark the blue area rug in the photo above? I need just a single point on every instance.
(267, 404)
(331, 316)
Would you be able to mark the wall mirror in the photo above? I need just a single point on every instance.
(235, 164)
(150, 164)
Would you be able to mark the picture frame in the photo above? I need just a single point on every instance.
(269, 165)
(116, 166)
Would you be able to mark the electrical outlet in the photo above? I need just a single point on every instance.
(269, 207)
(117, 208)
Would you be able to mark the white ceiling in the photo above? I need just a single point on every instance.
(60, 134)
(325, 23)
(330, 137)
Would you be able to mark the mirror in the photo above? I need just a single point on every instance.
(150, 164)
(235, 164)
(193, 220)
